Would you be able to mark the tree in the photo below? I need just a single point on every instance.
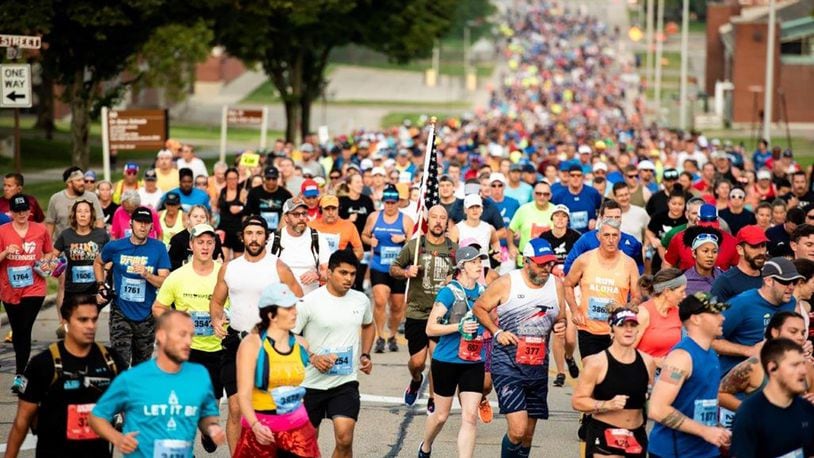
(293, 40)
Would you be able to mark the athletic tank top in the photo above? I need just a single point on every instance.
(601, 285)
(697, 399)
(482, 235)
(637, 197)
(246, 281)
(662, 333)
(628, 379)
(386, 251)
(169, 231)
(529, 312)
(275, 369)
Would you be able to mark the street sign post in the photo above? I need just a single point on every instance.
(15, 86)
(20, 41)
(239, 116)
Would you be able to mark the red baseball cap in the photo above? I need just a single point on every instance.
(752, 234)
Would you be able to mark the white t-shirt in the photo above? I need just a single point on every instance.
(297, 255)
(634, 221)
(482, 234)
(196, 165)
(150, 199)
(331, 324)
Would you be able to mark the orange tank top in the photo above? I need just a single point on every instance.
(662, 333)
(602, 284)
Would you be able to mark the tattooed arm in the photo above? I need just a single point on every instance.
(676, 369)
(739, 380)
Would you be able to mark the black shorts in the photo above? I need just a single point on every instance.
(228, 368)
(212, 361)
(591, 344)
(341, 401)
(447, 377)
(232, 240)
(596, 442)
(383, 278)
(415, 331)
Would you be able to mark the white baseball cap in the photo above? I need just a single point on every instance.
(584, 149)
(497, 176)
(600, 166)
(646, 165)
(764, 175)
(473, 200)
(378, 171)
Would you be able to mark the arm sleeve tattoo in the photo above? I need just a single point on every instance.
(673, 420)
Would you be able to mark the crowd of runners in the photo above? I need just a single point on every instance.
(668, 274)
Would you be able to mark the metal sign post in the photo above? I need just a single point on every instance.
(15, 83)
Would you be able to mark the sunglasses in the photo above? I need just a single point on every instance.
(335, 177)
(544, 194)
(707, 238)
(576, 175)
(633, 176)
(131, 172)
(737, 196)
(90, 181)
(497, 185)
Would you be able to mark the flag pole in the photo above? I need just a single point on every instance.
(421, 195)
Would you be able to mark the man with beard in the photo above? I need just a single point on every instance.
(189, 194)
(163, 400)
(301, 248)
(529, 308)
(238, 280)
(339, 233)
(13, 185)
(750, 311)
(746, 274)
(777, 421)
(436, 260)
(330, 319)
(140, 265)
(800, 195)
(267, 200)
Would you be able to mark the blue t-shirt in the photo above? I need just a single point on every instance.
(134, 294)
(195, 197)
(4, 219)
(759, 159)
(447, 348)
(588, 241)
(583, 206)
(507, 208)
(615, 177)
(733, 282)
(745, 322)
(522, 193)
(164, 408)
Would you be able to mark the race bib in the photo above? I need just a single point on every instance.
(706, 412)
(202, 322)
(622, 439)
(78, 425)
(133, 289)
(793, 454)
(531, 351)
(344, 360)
(389, 254)
(272, 219)
(287, 398)
(366, 258)
(579, 220)
(172, 448)
(470, 350)
(726, 417)
(20, 276)
(333, 242)
(598, 308)
(82, 274)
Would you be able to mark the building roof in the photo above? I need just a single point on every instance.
(797, 28)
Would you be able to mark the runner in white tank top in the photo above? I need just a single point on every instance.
(472, 228)
(528, 309)
(241, 281)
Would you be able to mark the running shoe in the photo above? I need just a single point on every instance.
(208, 444)
(379, 346)
(411, 393)
(392, 345)
(422, 453)
(573, 369)
(8, 337)
(560, 380)
(18, 386)
(485, 411)
(430, 405)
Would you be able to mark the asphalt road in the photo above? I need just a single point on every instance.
(386, 427)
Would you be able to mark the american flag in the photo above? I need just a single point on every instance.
(429, 183)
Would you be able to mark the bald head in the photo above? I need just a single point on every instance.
(437, 220)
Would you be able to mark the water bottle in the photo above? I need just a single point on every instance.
(469, 317)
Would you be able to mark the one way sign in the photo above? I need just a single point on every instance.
(15, 86)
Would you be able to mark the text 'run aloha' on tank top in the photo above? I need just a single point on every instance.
(602, 284)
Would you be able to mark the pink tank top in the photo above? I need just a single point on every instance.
(662, 333)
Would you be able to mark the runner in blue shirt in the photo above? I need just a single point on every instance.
(583, 201)
(163, 400)
(749, 312)
(628, 244)
(140, 265)
(189, 194)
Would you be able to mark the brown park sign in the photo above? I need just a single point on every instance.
(137, 129)
(244, 117)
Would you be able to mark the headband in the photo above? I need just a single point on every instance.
(704, 238)
(671, 284)
(75, 175)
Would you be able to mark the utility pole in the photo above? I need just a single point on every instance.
(648, 66)
(659, 51)
(768, 88)
(685, 31)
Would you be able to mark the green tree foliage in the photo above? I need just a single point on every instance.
(293, 40)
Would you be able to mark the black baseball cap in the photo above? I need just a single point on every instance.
(19, 203)
(142, 215)
(149, 175)
(254, 220)
(271, 172)
(670, 174)
(699, 302)
(172, 198)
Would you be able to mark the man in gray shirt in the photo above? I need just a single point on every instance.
(308, 164)
(60, 203)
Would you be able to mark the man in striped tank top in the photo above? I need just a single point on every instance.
(528, 310)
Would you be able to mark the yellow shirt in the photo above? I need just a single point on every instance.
(166, 181)
(191, 292)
